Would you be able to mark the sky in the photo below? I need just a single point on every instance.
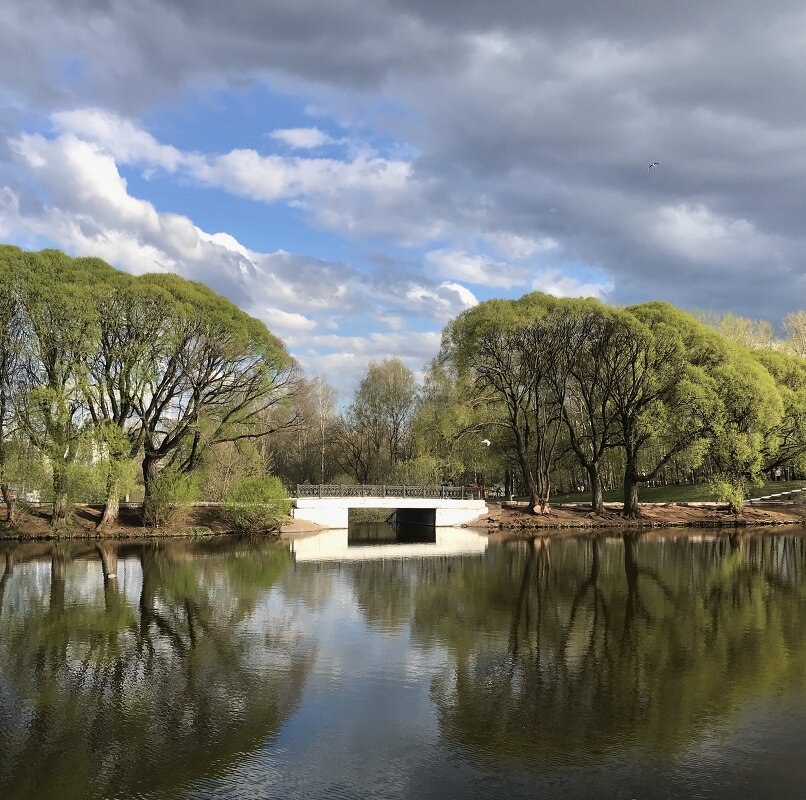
(357, 172)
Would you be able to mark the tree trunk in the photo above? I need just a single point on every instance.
(526, 470)
(59, 515)
(58, 571)
(9, 568)
(112, 503)
(109, 560)
(8, 499)
(631, 508)
(597, 497)
(150, 472)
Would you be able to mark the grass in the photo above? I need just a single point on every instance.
(685, 493)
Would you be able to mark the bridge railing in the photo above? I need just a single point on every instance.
(385, 490)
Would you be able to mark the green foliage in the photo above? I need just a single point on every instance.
(732, 489)
(421, 470)
(787, 442)
(153, 365)
(256, 503)
(169, 492)
(224, 465)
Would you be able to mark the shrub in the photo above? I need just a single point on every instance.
(732, 489)
(169, 491)
(256, 503)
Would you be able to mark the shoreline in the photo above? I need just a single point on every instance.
(660, 515)
(201, 523)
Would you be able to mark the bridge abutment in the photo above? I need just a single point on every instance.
(333, 512)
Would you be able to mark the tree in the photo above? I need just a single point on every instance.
(795, 327)
(586, 373)
(301, 453)
(787, 442)
(664, 396)
(217, 376)
(61, 331)
(373, 433)
(134, 338)
(507, 351)
(752, 412)
(11, 345)
(449, 425)
(749, 333)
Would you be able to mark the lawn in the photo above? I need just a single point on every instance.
(678, 494)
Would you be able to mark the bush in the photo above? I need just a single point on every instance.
(170, 490)
(256, 503)
(732, 490)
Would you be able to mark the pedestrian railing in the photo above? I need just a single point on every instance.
(385, 490)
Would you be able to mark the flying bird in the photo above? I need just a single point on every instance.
(486, 441)
(654, 164)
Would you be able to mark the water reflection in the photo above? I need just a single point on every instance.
(135, 668)
(566, 652)
(369, 541)
(571, 667)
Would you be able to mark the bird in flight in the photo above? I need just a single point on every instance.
(654, 164)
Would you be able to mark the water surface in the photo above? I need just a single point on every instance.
(615, 666)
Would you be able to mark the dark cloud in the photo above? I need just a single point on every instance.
(535, 118)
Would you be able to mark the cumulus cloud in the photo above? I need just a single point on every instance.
(517, 247)
(475, 268)
(127, 141)
(301, 138)
(90, 210)
(359, 194)
(554, 281)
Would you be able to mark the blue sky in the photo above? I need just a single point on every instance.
(357, 175)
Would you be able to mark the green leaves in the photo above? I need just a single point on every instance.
(153, 364)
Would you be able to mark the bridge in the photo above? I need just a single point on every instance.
(329, 505)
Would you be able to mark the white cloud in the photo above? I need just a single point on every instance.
(91, 212)
(701, 235)
(287, 324)
(271, 177)
(517, 247)
(129, 143)
(553, 281)
(475, 268)
(301, 138)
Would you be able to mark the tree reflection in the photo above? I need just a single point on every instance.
(119, 690)
(565, 651)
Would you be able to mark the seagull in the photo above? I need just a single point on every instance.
(486, 441)
(654, 164)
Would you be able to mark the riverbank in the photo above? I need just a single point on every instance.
(197, 520)
(661, 515)
(207, 520)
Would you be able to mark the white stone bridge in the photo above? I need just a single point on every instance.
(329, 505)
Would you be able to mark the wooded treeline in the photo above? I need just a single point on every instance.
(112, 383)
(573, 393)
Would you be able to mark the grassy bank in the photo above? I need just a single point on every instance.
(686, 493)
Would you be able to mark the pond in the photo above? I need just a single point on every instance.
(409, 664)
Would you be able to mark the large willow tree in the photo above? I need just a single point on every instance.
(152, 367)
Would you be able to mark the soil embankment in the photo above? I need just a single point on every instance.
(33, 522)
(660, 515)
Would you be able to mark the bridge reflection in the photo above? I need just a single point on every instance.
(378, 542)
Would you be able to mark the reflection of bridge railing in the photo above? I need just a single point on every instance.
(386, 490)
